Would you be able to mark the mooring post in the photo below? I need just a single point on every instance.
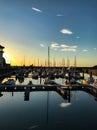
(40, 79)
(69, 96)
(83, 75)
(69, 76)
(90, 74)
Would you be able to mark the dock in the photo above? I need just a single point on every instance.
(31, 88)
(41, 87)
(63, 90)
(35, 87)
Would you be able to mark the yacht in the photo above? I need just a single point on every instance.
(9, 82)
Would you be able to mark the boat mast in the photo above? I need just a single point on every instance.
(24, 61)
(48, 56)
(68, 62)
(75, 62)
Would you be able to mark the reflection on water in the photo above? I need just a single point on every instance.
(47, 110)
(43, 112)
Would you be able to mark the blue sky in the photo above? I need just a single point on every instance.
(69, 27)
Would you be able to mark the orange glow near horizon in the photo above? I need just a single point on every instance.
(15, 58)
(18, 61)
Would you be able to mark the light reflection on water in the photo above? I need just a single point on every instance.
(47, 110)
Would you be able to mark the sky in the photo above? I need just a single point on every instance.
(68, 27)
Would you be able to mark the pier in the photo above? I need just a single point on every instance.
(31, 88)
(20, 88)
(20, 73)
(62, 90)
(90, 89)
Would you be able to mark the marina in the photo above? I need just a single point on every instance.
(48, 65)
(48, 98)
(47, 106)
(50, 101)
(47, 84)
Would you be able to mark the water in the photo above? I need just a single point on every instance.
(47, 110)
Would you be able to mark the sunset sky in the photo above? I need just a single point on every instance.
(68, 27)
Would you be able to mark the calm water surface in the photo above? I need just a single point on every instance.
(47, 111)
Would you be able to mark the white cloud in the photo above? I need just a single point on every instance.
(68, 48)
(74, 47)
(63, 47)
(36, 9)
(42, 45)
(85, 50)
(66, 31)
(55, 45)
(59, 15)
(95, 48)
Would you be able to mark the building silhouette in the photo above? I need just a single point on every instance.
(2, 59)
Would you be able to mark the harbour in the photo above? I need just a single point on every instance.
(58, 94)
(47, 108)
(49, 102)
(48, 65)
(72, 80)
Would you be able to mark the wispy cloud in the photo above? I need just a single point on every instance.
(85, 50)
(55, 45)
(63, 47)
(94, 48)
(59, 15)
(69, 48)
(77, 37)
(42, 45)
(36, 9)
(66, 31)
